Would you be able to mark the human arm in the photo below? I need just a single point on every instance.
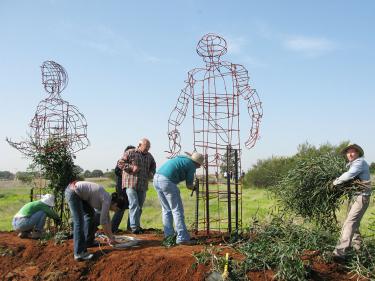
(105, 219)
(129, 164)
(190, 176)
(354, 170)
(152, 167)
(108, 232)
(49, 211)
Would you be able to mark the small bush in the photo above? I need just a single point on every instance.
(267, 173)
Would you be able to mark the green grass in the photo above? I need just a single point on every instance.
(255, 203)
(13, 195)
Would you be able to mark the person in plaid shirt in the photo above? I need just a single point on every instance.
(138, 169)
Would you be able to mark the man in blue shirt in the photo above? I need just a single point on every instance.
(358, 169)
(166, 179)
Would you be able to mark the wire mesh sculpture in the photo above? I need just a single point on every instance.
(57, 128)
(54, 118)
(215, 92)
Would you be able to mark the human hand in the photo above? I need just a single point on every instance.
(336, 182)
(135, 169)
(111, 241)
(121, 164)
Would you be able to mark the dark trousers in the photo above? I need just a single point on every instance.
(117, 217)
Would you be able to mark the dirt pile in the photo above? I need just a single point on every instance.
(24, 259)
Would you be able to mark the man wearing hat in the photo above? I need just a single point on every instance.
(32, 217)
(166, 179)
(358, 169)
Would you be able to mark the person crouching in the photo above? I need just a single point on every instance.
(30, 219)
(83, 198)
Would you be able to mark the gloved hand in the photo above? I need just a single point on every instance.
(336, 182)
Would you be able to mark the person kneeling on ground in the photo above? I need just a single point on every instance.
(32, 217)
(165, 182)
(358, 169)
(83, 198)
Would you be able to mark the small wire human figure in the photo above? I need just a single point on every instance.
(54, 118)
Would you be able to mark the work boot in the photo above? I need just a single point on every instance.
(339, 259)
(36, 234)
(187, 243)
(92, 244)
(24, 234)
(83, 257)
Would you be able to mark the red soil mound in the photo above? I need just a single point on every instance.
(24, 259)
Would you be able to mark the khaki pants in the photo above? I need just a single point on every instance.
(350, 235)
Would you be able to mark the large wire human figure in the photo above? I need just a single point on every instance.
(215, 91)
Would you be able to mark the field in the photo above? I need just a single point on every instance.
(256, 203)
(25, 259)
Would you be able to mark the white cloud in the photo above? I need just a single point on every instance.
(309, 46)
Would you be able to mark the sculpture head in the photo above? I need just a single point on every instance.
(54, 77)
(211, 46)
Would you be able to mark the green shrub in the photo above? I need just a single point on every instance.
(307, 188)
(280, 244)
(267, 173)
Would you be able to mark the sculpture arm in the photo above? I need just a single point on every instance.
(254, 108)
(176, 118)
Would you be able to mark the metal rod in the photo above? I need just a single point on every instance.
(236, 184)
(229, 152)
(197, 209)
(207, 198)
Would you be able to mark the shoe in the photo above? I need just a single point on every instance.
(339, 259)
(187, 243)
(36, 234)
(92, 244)
(138, 231)
(83, 257)
(24, 234)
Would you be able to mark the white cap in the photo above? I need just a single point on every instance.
(196, 157)
(48, 199)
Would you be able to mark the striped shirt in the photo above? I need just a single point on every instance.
(146, 165)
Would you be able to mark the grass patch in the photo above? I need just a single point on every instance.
(256, 203)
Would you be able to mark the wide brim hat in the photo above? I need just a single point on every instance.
(196, 157)
(48, 199)
(356, 147)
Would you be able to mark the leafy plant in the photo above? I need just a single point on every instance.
(362, 262)
(307, 188)
(169, 241)
(280, 244)
(57, 166)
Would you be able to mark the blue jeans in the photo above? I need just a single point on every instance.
(136, 199)
(36, 221)
(172, 208)
(117, 216)
(83, 221)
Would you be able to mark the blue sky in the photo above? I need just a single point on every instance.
(312, 63)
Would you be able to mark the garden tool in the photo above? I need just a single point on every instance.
(216, 276)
